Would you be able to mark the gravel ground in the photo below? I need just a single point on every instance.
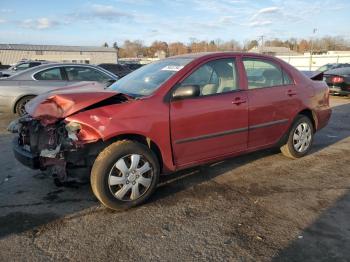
(257, 207)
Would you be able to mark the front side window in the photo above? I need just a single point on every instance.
(76, 73)
(49, 74)
(214, 77)
(263, 74)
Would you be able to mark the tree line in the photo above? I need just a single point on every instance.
(137, 48)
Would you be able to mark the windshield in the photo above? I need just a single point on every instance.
(147, 79)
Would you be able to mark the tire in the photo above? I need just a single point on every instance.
(118, 175)
(19, 108)
(303, 126)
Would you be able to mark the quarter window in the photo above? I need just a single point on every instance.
(76, 73)
(214, 77)
(49, 74)
(264, 74)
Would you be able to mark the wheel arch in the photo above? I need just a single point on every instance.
(305, 112)
(19, 99)
(142, 140)
(311, 115)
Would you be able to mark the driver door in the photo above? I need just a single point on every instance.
(215, 123)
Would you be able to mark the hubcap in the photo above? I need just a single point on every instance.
(302, 137)
(22, 110)
(130, 177)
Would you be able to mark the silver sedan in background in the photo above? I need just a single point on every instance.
(17, 90)
(20, 66)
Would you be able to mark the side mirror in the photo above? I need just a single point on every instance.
(15, 68)
(186, 92)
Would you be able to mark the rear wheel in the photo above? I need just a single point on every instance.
(124, 175)
(300, 138)
(20, 106)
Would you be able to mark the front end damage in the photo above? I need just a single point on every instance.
(55, 148)
(47, 141)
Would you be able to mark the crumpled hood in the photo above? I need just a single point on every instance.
(66, 101)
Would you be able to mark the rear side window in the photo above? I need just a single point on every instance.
(214, 77)
(76, 73)
(49, 74)
(262, 74)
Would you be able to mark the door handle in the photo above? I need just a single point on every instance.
(291, 93)
(238, 101)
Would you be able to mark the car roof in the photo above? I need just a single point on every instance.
(218, 54)
(338, 71)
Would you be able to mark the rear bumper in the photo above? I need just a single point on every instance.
(24, 157)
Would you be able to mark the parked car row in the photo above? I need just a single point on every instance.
(18, 89)
(166, 116)
(20, 67)
(20, 83)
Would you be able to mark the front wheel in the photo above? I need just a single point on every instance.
(124, 175)
(20, 106)
(300, 138)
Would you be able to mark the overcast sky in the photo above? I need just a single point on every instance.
(78, 22)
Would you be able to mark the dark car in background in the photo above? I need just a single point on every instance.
(117, 69)
(327, 67)
(338, 81)
(133, 66)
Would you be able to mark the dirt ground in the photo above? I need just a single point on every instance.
(257, 207)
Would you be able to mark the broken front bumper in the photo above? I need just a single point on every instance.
(25, 157)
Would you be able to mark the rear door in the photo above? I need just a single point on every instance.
(273, 101)
(213, 124)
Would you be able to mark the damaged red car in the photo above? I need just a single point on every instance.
(170, 115)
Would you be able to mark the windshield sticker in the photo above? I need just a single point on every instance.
(172, 68)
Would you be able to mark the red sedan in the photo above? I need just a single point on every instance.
(169, 115)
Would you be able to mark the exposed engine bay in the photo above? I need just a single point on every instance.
(54, 148)
(57, 146)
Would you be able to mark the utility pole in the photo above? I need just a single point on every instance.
(116, 47)
(262, 42)
(312, 47)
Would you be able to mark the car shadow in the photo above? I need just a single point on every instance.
(326, 239)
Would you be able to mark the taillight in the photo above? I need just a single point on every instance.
(337, 79)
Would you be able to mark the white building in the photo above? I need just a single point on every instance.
(12, 53)
(273, 50)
